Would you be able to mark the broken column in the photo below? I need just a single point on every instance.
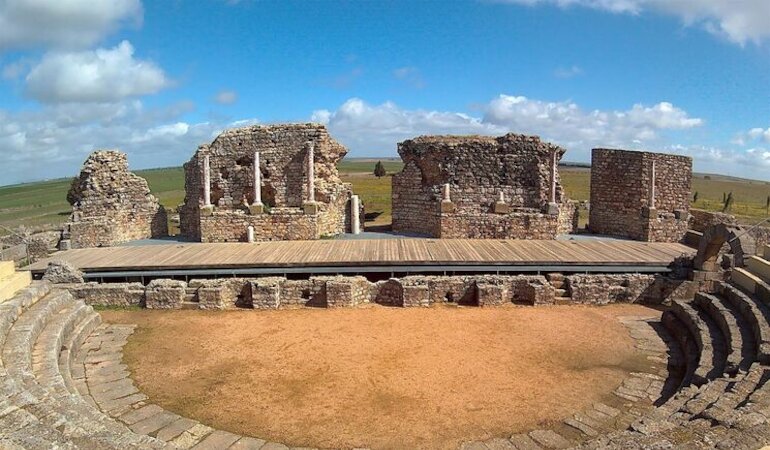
(500, 206)
(553, 207)
(250, 234)
(446, 199)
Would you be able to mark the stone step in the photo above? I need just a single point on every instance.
(745, 280)
(741, 350)
(759, 266)
(708, 338)
(7, 268)
(766, 251)
(687, 347)
(190, 305)
(13, 283)
(756, 314)
(724, 409)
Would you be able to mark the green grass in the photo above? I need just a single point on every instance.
(43, 203)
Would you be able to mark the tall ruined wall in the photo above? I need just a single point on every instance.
(478, 169)
(111, 205)
(283, 153)
(621, 189)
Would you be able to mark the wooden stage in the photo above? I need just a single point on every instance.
(375, 255)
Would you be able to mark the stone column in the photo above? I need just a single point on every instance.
(310, 173)
(206, 182)
(446, 200)
(355, 223)
(250, 234)
(652, 185)
(310, 206)
(208, 208)
(500, 206)
(257, 207)
(553, 207)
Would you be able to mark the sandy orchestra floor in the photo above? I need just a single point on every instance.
(380, 377)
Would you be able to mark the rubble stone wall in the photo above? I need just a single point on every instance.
(629, 288)
(621, 194)
(701, 219)
(283, 153)
(111, 205)
(478, 169)
(410, 291)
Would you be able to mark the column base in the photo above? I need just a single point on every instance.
(447, 206)
(553, 209)
(207, 210)
(311, 208)
(502, 208)
(256, 208)
(649, 213)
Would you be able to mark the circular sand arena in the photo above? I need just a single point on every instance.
(381, 377)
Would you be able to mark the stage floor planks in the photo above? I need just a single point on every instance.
(374, 252)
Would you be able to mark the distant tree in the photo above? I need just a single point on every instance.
(73, 193)
(767, 205)
(695, 197)
(728, 202)
(707, 177)
(379, 170)
(724, 197)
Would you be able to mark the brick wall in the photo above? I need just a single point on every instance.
(621, 190)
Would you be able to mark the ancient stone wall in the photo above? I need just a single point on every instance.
(622, 190)
(111, 205)
(286, 209)
(629, 288)
(701, 219)
(478, 171)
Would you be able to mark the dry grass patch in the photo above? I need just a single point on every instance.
(381, 377)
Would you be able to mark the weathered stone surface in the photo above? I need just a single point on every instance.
(62, 272)
(165, 294)
(111, 205)
(283, 150)
(478, 169)
(621, 195)
(602, 289)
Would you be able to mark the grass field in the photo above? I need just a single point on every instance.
(42, 203)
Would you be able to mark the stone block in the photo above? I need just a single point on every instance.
(311, 208)
(416, 296)
(256, 209)
(447, 207)
(488, 294)
(165, 294)
(552, 209)
(265, 294)
(207, 210)
(502, 208)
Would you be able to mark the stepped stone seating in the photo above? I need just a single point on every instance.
(63, 383)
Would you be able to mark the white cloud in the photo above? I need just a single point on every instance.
(567, 72)
(63, 23)
(739, 21)
(410, 75)
(102, 75)
(377, 128)
(226, 97)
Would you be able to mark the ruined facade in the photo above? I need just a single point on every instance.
(481, 187)
(294, 194)
(111, 205)
(640, 195)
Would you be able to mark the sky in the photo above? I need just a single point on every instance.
(157, 78)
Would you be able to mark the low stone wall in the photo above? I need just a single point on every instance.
(410, 291)
(629, 288)
(515, 225)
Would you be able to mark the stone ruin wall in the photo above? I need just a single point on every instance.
(111, 205)
(411, 291)
(478, 168)
(621, 193)
(283, 159)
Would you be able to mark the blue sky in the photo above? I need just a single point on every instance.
(157, 78)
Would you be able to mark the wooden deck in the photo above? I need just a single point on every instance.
(377, 252)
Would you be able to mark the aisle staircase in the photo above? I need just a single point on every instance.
(11, 281)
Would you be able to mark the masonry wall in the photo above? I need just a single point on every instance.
(283, 166)
(111, 205)
(478, 169)
(621, 189)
